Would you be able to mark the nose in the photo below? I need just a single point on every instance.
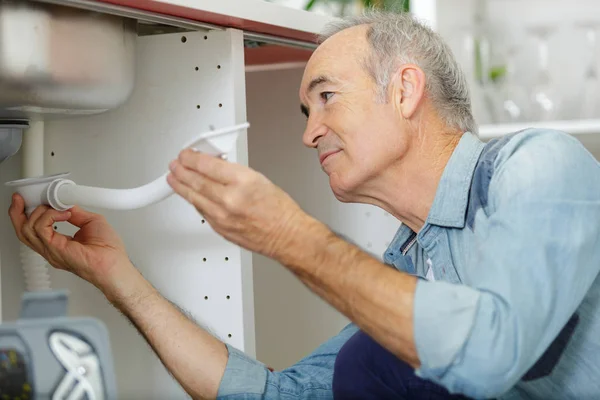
(315, 129)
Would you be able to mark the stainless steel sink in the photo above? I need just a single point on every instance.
(61, 60)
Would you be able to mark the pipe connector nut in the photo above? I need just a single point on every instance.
(52, 194)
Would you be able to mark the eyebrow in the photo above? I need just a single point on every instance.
(318, 81)
(314, 84)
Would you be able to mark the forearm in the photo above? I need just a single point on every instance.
(375, 297)
(195, 358)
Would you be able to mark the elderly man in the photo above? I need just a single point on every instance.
(489, 289)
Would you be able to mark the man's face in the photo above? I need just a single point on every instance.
(357, 135)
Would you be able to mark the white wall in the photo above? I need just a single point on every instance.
(507, 26)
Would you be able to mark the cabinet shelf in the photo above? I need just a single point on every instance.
(573, 127)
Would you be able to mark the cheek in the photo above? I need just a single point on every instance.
(361, 161)
(371, 152)
(371, 143)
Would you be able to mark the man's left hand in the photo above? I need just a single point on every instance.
(240, 204)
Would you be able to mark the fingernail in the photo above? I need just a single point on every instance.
(172, 165)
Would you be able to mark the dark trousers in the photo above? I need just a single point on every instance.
(365, 370)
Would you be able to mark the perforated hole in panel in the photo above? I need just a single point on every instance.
(181, 87)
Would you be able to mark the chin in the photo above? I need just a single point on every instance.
(343, 189)
(343, 198)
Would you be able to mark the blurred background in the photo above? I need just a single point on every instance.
(526, 60)
(344, 7)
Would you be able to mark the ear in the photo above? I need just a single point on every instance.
(408, 89)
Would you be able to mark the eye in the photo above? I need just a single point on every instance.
(326, 96)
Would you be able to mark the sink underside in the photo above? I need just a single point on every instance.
(61, 60)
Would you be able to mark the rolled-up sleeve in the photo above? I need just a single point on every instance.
(536, 253)
(311, 378)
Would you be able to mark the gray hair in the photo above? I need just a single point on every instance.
(399, 38)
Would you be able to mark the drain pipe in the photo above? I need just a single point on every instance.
(61, 193)
(35, 267)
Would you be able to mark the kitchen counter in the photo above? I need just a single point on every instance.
(252, 16)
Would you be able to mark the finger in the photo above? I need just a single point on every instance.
(201, 184)
(36, 214)
(81, 217)
(17, 216)
(54, 243)
(44, 225)
(16, 212)
(29, 228)
(204, 205)
(213, 167)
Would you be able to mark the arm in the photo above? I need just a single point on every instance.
(247, 209)
(348, 278)
(310, 378)
(501, 317)
(207, 368)
(193, 356)
(524, 290)
(203, 365)
(97, 254)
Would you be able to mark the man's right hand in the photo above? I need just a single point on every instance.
(95, 253)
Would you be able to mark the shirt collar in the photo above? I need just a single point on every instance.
(452, 196)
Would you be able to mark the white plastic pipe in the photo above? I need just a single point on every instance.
(68, 194)
(35, 267)
(35, 270)
(62, 194)
(65, 193)
(32, 153)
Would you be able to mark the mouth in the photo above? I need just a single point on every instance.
(324, 156)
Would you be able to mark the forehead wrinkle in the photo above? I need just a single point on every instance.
(347, 48)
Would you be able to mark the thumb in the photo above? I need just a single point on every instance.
(81, 217)
(17, 204)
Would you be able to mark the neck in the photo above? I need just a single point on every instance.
(407, 189)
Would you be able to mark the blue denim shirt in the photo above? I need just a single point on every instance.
(508, 304)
